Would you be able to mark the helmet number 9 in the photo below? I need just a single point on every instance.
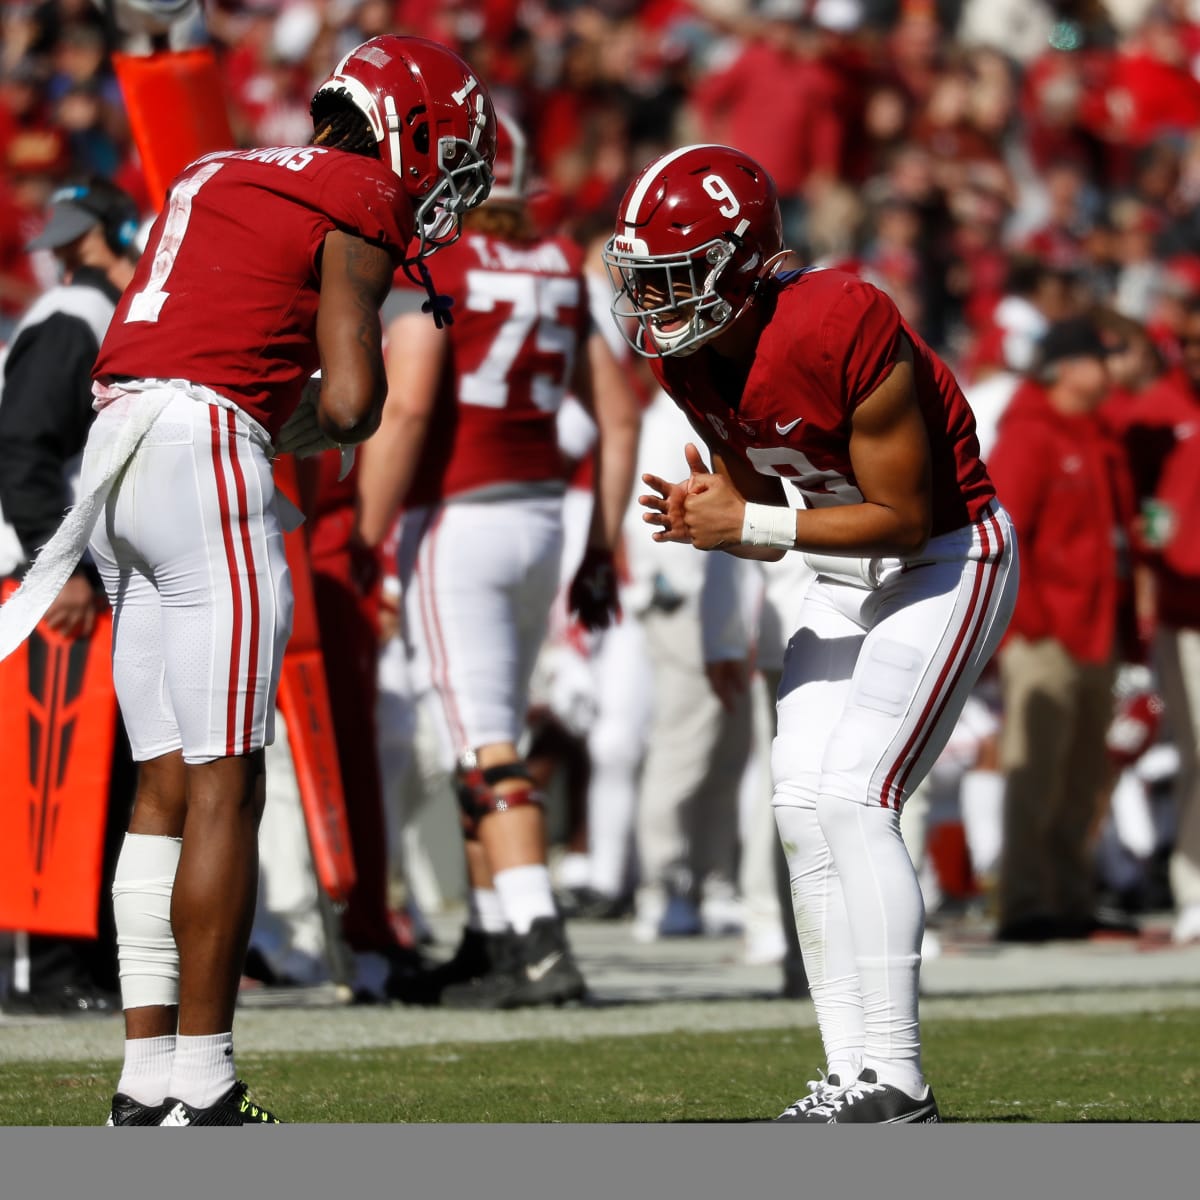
(718, 189)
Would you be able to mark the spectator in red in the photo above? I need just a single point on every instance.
(1151, 89)
(37, 161)
(1062, 475)
(1061, 238)
(1172, 539)
(783, 103)
(1135, 364)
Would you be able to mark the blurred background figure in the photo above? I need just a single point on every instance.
(89, 228)
(468, 447)
(1064, 479)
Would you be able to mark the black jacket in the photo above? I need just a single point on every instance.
(46, 402)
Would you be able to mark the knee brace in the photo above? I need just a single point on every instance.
(146, 952)
(477, 796)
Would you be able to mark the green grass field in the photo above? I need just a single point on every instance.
(1126, 1068)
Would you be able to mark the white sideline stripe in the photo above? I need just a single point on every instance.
(333, 1027)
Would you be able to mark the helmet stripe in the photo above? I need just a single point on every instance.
(652, 173)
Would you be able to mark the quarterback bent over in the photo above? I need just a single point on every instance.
(264, 265)
(812, 377)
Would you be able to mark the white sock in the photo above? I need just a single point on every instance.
(574, 871)
(147, 1068)
(612, 809)
(887, 918)
(485, 913)
(525, 894)
(823, 929)
(202, 1070)
(981, 802)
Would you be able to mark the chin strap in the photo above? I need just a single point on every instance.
(438, 305)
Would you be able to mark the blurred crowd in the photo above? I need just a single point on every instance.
(926, 143)
(1009, 171)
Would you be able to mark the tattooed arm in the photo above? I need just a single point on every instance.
(355, 280)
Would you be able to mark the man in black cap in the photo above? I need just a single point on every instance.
(1062, 474)
(45, 414)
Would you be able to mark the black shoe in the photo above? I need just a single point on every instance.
(586, 904)
(128, 1111)
(232, 1109)
(868, 1102)
(477, 955)
(819, 1091)
(1108, 922)
(68, 1000)
(384, 975)
(539, 969)
(1029, 930)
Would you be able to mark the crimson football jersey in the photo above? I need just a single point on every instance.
(830, 341)
(227, 290)
(520, 319)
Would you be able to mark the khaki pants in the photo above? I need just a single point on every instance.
(1177, 656)
(687, 822)
(1056, 716)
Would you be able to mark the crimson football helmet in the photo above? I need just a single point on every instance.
(697, 232)
(511, 168)
(434, 121)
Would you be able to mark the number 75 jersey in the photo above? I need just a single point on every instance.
(520, 323)
(830, 341)
(226, 292)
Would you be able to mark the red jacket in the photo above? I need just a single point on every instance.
(1161, 431)
(1065, 483)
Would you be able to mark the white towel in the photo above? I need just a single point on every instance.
(858, 572)
(58, 558)
(130, 411)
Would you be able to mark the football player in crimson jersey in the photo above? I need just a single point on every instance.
(811, 377)
(263, 265)
(468, 445)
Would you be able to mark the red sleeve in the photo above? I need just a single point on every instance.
(362, 196)
(860, 340)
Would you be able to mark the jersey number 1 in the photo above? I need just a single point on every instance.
(146, 305)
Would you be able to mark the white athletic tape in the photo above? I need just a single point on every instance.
(769, 525)
(141, 891)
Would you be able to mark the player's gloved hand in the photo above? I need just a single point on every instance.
(593, 593)
(302, 434)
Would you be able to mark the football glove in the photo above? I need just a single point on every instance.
(593, 596)
(303, 436)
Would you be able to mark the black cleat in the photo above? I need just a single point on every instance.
(866, 1101)
(819, 1091)
(538, 969)
(477, 956)
(232, 1109)
(128, 1111)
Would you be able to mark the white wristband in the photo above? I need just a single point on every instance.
(769, 525)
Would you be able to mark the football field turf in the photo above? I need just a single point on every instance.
(1115, 1067)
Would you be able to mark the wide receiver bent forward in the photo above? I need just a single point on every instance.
(812, 377)
(263, 265)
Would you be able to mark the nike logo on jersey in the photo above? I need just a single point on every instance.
(539, 970)
(177, 1116)
(782, 429)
